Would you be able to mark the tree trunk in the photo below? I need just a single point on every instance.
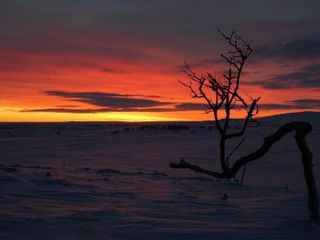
(306, 157)
(223, 154)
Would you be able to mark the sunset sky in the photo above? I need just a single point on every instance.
(120, 60)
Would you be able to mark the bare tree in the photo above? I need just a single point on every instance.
(222, 96)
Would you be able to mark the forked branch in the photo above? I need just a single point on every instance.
(301, 129)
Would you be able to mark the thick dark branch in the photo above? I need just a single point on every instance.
(301, 129)
(217, 121)
(185, 165)
(268, 142)
(306, 156)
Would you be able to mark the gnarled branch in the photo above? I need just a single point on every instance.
(301, 129)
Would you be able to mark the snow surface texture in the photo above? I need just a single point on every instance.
(112, 181)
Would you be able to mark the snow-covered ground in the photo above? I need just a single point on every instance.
(112, 181)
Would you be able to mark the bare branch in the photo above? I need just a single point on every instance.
(223, 94)
(301, 129)
(248, 118)
(185, 165)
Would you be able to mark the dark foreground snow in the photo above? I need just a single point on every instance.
(112, 181)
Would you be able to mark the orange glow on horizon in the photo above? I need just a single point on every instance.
(153, 77)
(14, 115)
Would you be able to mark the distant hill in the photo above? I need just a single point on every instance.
(312, 117)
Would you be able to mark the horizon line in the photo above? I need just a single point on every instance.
(153, 121)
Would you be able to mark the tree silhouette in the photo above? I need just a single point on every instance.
(222, 96)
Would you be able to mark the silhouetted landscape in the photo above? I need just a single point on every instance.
(112, 181)
(159, 120)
